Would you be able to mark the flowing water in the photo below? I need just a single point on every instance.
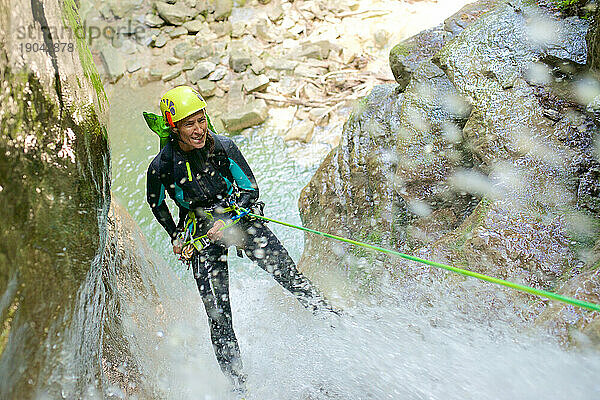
(384, 347)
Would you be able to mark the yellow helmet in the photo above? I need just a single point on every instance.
(180, 102)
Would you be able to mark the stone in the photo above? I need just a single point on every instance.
(194, 26)
(173, 60)
(220, 9)
(320, 115)
(238, 29)
(177, 32)
(256, 83)
(257, 65)
(153, 20)
(196, 54)
(221, 28)
(155, 74)
(175, 14)
(180, 80)
(280, 64)
(309, 71)
(124, 8)
(114, 63)
(253, 113)
(239, 59)
(201, 71)
(181, 48)
(265, 30)
(206, 88)
(218, 74)
(406, 56)
(172, 73)
(302, 132)
(161, 40)
(464, 17)
(133, 65)
(275, 11)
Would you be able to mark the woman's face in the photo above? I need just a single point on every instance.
(192, 131)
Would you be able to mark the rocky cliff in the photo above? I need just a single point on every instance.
(482, 156)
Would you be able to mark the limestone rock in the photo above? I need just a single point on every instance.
(201, 71)
(302, 132)
(406, 56)
(124, 8)
(181, 48)
(113, 62)
(256, 83)
(257, 65)
(206, 88)
(172, 73)
(221, 9)
(175, 14)
(177, 32)
(239, 59)
(218, 74)
(252, 114)
(153, 20)
(161, 40)
(194, 26)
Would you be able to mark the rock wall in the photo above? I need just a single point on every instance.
(482, 157)
(54, 197)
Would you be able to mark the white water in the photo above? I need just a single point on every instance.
(392, 347)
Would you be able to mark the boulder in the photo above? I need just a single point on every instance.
(253, 113)
(218, 74)
(153, 21)
(181, 48)
(177, 32)
(239, 59)
(201, 71)
(406, 56)
(302, 132)
(221, 9)
(467, 166)
(172, 73)
(114, 63)
(206, 88)
(124, 8)
(257, 65)
(256, 83)
(175, 14)
(161, 40)
(194, 26)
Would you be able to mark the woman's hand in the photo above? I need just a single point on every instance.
(215, 232)
(177, 246)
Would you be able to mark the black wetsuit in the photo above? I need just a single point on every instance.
(215, 177)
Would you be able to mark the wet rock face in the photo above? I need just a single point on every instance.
(489, 163)
(54, 178)
(406, 56)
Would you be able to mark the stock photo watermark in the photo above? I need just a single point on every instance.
(33, 38)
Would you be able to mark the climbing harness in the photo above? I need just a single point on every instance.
(512, 285)
(193, 244)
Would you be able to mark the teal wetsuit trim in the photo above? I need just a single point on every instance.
(239, 176)
(162, 195)
(179, 197)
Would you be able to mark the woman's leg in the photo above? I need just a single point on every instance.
(212, 276)
(263, 247)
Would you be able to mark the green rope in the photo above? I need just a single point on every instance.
(523, 288)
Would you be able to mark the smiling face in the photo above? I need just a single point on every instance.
(192, 131)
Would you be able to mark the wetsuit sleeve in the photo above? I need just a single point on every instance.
(155, 195)
(243, 176)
